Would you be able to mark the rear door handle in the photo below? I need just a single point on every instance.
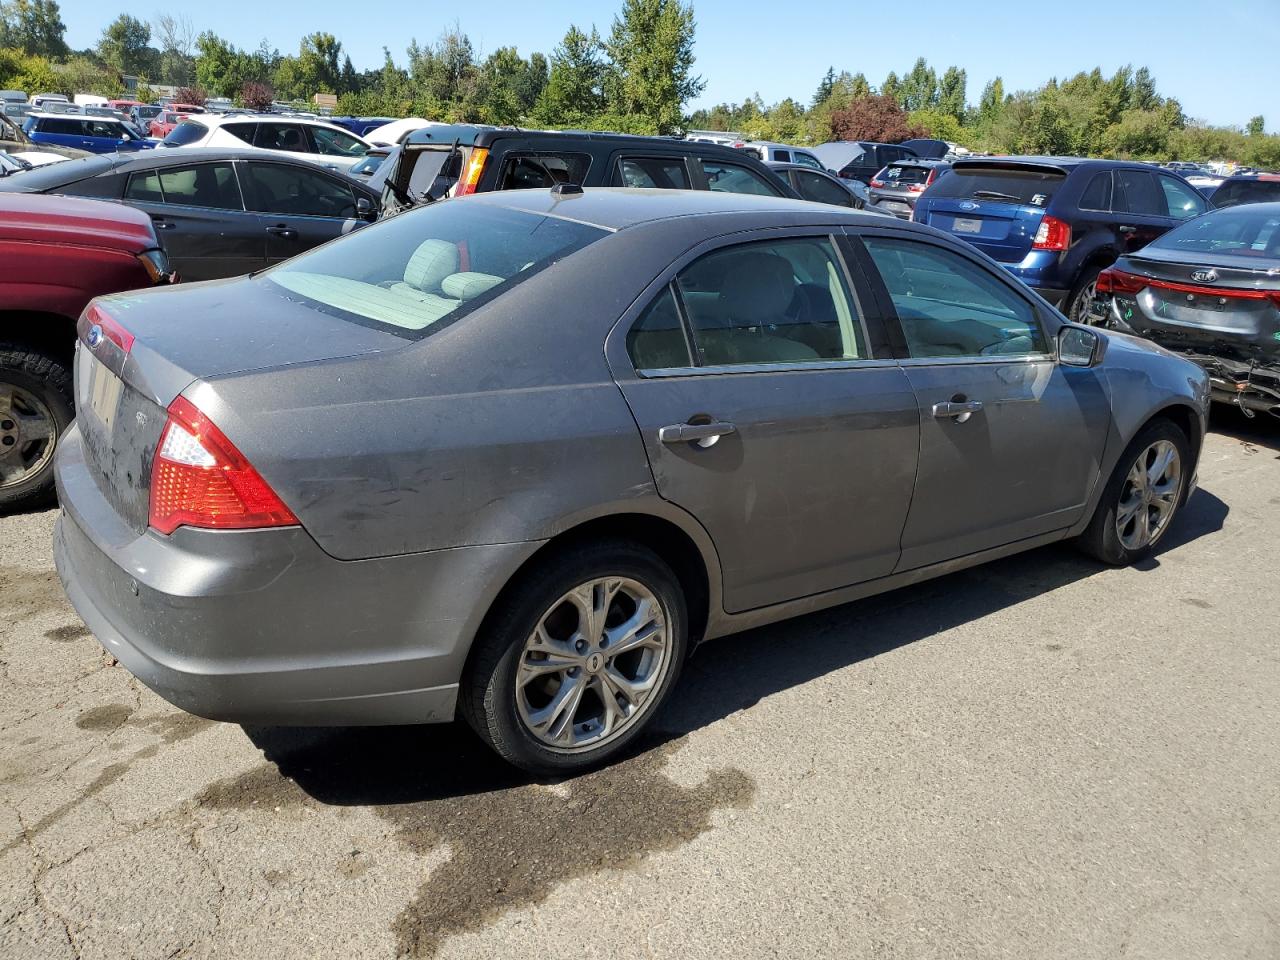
(704, 434)
(280, 230)
(1127, 229)
(161, 224)
(958, 410)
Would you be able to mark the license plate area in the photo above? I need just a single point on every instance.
(967, 225)
(97, 392)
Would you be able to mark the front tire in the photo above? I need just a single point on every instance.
(35, 408)
(578, 659)
(1082, 296)
(1142, 497)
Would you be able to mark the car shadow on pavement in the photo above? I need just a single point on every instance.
(1262, 430)
(395, 765)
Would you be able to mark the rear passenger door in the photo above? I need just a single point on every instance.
(820, 188)
(724, 176)
(770, 412)
(200, 218)
(1140, 210)
(298, 206)
(1010, 441)
(653, 172)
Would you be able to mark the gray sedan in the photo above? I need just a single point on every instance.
(512, 456)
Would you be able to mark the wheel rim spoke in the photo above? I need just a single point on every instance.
(1150, 496)
(29, 435)
(642, 628)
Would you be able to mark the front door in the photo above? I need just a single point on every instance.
(299, 206)
(768, 417)
(1010, 441)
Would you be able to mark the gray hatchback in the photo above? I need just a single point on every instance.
(511, 456)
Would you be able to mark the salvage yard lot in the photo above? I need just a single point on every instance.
(1036, 758)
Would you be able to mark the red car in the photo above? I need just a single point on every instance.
(58, 254)
(162, 125)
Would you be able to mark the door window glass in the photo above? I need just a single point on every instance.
(1097, 196)
(145, 187)
(814, 186)
(657, 340)
(948, 306)
(730, 178)
(808, 159)
(1136, 193)
(663, 173)
(201, 185)
(1182, 201)
(66, 126)
(784, 301)
(335, 143)
(281, 136)
(781, 156)
(290, 190)
(524, 171)
(241, 131)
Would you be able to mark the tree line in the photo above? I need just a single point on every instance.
(636, 78)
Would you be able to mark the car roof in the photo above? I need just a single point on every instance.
(218, 119)
(479, 134)
(619, 208)
(788, 165)
(48, 113)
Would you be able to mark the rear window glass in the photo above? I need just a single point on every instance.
(525, 171)
(414, 273)
(664, 173)
(1251, 232)
(899, 175)
(1233, 192)
(184, 133)
(1001, 184)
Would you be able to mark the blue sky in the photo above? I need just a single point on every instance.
(1220, 59)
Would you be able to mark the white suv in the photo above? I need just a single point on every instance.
(314, 140)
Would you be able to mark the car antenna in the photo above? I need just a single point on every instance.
(566, 189)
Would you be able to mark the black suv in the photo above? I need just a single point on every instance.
(1056, 222)
(1247, 188)
(861, 159)
(458, 159)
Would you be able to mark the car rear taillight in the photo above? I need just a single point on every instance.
(933, 175)
(1112, 281)
(876, 183)
(108, 328)
(916, 187)
(471, 177)
(1053, 234)
(199, 479)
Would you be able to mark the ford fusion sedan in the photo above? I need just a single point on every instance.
(511, 456)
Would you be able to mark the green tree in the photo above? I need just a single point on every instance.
(992, 101)
(126, 45)
(919, 88)
(575, 87)
(1144, 96)
(1256, 127)
(176, 42)
(892, 87)
(952, 93)
(27, 72)
(651, 62)
(83, 75)
(825, 86)
(33, 26)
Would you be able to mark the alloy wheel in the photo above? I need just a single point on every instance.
(1149, 496)
(593, 665)
(28, 434)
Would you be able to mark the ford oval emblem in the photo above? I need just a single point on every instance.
(1204, 276)
(95, 335)
(968, 205)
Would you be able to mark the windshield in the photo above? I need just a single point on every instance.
(409, 273)
(1252, 231)
(188, 131)
(999, 183)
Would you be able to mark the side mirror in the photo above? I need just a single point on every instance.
(1079, 346)
(364, 209)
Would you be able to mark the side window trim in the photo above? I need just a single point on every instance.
(692, 171)
(235, 180)
(889, 311)
(274, 162)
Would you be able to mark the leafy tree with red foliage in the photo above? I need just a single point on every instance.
(257, 96)
(193, 96)
(877, 118)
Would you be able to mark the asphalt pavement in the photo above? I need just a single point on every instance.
(1038, 758)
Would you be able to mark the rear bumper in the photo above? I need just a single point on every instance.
(262, 626)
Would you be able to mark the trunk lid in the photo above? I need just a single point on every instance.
(997, 207)
(136, 352)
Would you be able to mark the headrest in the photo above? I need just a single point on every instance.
(431, 262)
(758, 288)
(467, 286)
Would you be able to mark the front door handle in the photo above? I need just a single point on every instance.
(280, 230)
(161, 224)
(1127, 229)
(957, 410)
(703, 434)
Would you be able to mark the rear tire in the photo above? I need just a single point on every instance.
(1126, 508)
(549, 644)
(36, 407)
(1082, 296)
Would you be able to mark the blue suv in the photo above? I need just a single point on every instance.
(95, 134)
(1056, 222)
